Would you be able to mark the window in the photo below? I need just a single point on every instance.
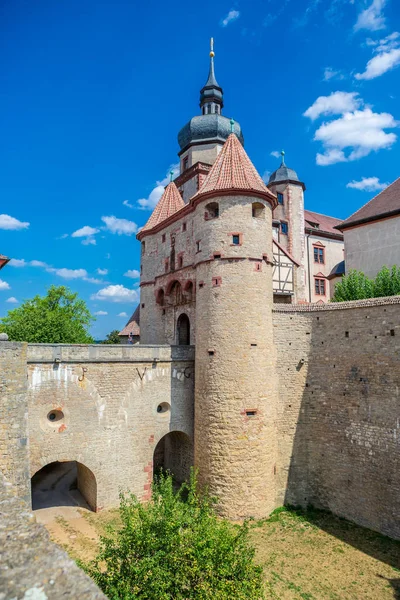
(280, 197)
(183, 226)
(198, 248)
(209, 109)
(216, 281)
(185, 163)
(212, 211)
(284, 228)
(319, 287)
(180, 262)
(236, 239)
(163, 238)
(257, 210)
(217, 109)
(166, 265)
(319, 255)
(143, 247)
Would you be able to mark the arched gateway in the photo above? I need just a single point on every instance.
(174, 453)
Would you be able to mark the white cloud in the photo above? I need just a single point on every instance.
(122, 314)
(275, 153)
(17, 262)
(230, 17)
(68, 273)
(335, 104)
(120, 226)
(63, 236)
(330, 73)
(372, 17)
(152, 200)
(4, 285)
(12, 300)
(362, 131)
(7, 222)
(90, 241)
(93, 280)
(102, 271)
(116, 293)
(132, 273)
(38, 263)
(101, 313)
(367, 184)
(85, 231)
(127, 203)
(380, 64)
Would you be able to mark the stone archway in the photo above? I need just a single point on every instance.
(174, 453)
(66, 483)
(183, 330)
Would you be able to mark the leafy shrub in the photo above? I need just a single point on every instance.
(357, 286)
(176, 548)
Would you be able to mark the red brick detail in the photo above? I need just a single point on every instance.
(216, 281)
(151, 438)
(62, 428)
(258, 266)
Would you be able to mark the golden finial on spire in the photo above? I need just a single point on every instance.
(212, 53)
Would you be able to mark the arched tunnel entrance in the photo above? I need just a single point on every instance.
(174, 453)
(67, 483)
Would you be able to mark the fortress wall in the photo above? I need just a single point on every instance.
(108, 396)
(14, 458)
(339, 411)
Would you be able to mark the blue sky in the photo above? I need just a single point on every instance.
(93, 95)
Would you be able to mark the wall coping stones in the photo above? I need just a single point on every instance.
(108, 353)
(307, 308)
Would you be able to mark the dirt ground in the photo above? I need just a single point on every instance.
(305, 555)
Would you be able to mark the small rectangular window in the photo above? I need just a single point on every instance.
(216, 281)
(198, 246)
(320, 287)
(183, 226)
(180, 262)
(185, 163)
(143, 247)
(163, 238)
(319, 255)
(236, 239)
(284, 228)
(166, 265)
(280, 197)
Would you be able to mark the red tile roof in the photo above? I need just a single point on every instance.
(324, 223)
(385, 204)
(3, 261)
(170, 202)
(133, 325)
(233, 170)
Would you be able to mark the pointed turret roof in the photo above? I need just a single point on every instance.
(170, 202)
(234, 171)
(211, 91)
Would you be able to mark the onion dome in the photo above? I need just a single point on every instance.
(234, 172)
(283, 174)
(170, 202)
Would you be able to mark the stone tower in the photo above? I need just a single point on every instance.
(235, 387)
(288, 218)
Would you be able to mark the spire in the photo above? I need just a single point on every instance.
(283, 158)
(234, 171)
(211, 95)
(170, 202)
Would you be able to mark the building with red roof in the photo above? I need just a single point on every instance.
(3, 261)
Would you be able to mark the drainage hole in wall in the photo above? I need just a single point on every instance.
(163, 407)
(392, 332)
(55, 415)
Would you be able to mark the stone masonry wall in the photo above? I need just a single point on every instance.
(339, 409)
(14, 416)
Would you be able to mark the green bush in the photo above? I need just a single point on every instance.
(357, 286)
(176, 548)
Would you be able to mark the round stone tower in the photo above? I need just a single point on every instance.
(235, 384)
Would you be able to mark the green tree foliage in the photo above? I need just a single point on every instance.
(112, 337)
(176, 548)
(57, 318)
(356, 286)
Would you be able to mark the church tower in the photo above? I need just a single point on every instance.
(202, 138)
(288, 219)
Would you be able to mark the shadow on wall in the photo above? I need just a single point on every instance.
(345, 454)
(64, 484)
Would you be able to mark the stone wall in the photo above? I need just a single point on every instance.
(338, 409)
(14, 416)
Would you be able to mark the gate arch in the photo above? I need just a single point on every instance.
(174, 453)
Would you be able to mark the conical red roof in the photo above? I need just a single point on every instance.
(170, 202)
(233, 170)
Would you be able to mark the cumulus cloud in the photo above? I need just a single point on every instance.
(68, 273)
(85, 231)
(330, 73)
(330, 157)
(152, 200)
(367, 184)
(116, 293)
(275, 153)
(4, 285)
(132, 273)
(101, 313)
(119, 226)
(7, 222)
(90, 241)
(387, 56)
(335, 104)
(232, 15)
(12, 300)
(102, 271)
(17, 262)
(122, 314)
(38, 263)
(372, 18)
(127, 203)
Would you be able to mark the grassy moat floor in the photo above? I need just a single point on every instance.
(308, 555)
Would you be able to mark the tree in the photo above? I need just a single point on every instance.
(112, 337)
(356, 286)
(175, 548)
(387, 282)
(57, 318)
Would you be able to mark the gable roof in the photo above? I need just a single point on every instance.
(170, 202)
(385, 204)
(234, 171)
(324, 223)
(285, 252)
(133, 325)
(3, 261)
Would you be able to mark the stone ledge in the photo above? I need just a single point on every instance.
(307, 308)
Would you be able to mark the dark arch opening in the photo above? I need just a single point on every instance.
(174, 453)
(183, 330)
(64, 484)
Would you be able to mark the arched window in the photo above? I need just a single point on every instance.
(189, 291)
(217, 109)
(212, 211)
(183, 330)
(160, 297)
(258, 210)
(176, 294)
